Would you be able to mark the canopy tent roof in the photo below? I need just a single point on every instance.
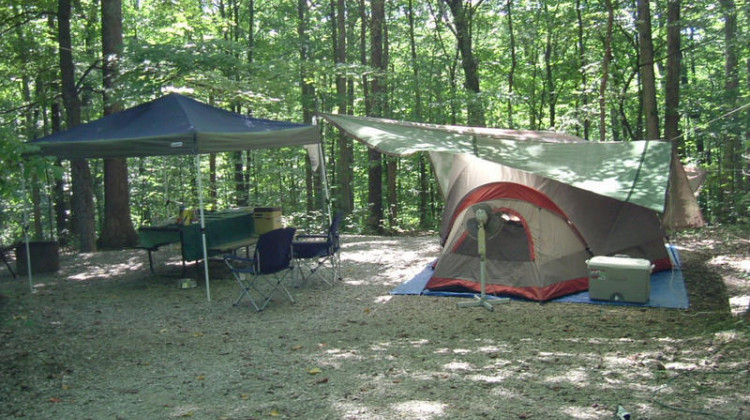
(173, 125)
(637, 172)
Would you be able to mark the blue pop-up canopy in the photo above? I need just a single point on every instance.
(176, 125)
(173, 125)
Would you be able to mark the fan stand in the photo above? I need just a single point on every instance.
(481, 299)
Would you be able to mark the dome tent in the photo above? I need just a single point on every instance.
(564, 200)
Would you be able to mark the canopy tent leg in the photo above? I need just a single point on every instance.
(203, 225)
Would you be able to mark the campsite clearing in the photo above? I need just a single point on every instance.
(105, 339)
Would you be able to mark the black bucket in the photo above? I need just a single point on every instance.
(45, 257)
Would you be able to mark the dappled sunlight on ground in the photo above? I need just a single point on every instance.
(384, 261)
(120, 342)
(416, 409)
(94, 266)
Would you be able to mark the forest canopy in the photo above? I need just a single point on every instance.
(600, 70)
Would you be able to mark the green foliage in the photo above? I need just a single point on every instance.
(209, 50)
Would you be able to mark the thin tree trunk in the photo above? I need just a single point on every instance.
(82, 204)
(732, 164)
(513, 63)
(117, 230)
(747, 131)
(605, 72)
(646, 64)
(674, 65)
(377, 99)
(462, 20)
(344, 167)
(417, 115)
(550, 81)
(307, 91)
(583, 115)
(391, 162)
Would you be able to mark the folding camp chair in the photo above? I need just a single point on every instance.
(271, 262)
(319, 251)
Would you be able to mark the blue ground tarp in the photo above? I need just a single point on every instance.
(667, 290)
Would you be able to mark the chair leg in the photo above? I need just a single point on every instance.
(245, 292)
(278, 285)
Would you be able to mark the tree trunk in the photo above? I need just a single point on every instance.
(730, 176)
(550, 81)
(307, 93)
(513, 63)
(646, 64)
(117, 229)
(605, 72)
(82, 204)
(747, 131)
(344, 168)
(462, 15)
(583, 115)
(417, 115)
(377, 93)
(674, 64)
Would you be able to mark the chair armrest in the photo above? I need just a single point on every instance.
(238, 259)
(311, 237)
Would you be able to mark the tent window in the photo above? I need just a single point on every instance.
(510, 243)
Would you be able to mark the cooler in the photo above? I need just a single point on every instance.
(266, 219)
(620, 279)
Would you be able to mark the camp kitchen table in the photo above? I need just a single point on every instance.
(226, 231)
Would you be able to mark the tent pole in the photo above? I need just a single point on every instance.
(323, 172)
(26, 227)
(203, 225)
(324, 177)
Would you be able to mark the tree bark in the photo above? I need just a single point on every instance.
(377, 93)
(549, 79)
(605, 72)
(513, 63)
(82, 204)
(117, 229)
(462, 20)
(674, 66)
(730, 171)
(417, 115)
(646, 65)
(307, 97)
(344, 167)
(582, 115)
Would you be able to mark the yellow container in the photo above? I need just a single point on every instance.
(266, 219)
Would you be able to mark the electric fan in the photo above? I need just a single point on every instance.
(482, 223)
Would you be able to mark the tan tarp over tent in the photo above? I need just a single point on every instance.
(563, 199)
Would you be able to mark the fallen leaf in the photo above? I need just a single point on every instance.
(297, 347)
(314, 371)
(274, 413)
(201, 377)
(197, 334)
(55, 400)
(322, 381)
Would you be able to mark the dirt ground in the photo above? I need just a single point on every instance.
(103, 338)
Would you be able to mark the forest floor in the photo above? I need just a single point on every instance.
(103, 338)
